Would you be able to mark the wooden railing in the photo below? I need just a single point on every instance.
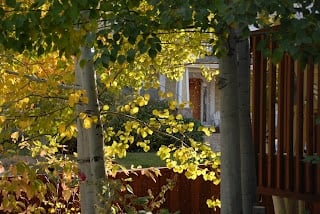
(285, 107)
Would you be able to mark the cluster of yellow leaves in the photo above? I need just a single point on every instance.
(33, 90)
(208, 73)
(87, 120)
(133, 107)
(178, 49)
(125, 139)
(195, 160)
(68, 131)
(79, 96)
(213, 203)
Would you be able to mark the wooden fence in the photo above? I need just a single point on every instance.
(187, 196)
(285, 108)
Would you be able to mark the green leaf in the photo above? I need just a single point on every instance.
(132, 39)
(142, 200)
(82, 2)
(11, 3)
(121, 59)
(105, 58)
(116, 36)
(131, 55)
(154, 2)
(142, 46)
(40, 51)
(277, 55)
(133, 3)
(152, 53)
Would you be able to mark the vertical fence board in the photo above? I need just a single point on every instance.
(317, 126)
(280, 128)
(289, 72)
(299, 131)
(262, 118)
(271, 121)
(195, 197)
(256, 56)
(309, 125)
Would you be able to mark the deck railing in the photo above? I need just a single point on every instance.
(285, 108)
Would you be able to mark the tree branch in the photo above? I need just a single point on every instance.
(34, 78)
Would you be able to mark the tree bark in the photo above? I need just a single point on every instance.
(89, 141)
(247, 154)
(230, 146)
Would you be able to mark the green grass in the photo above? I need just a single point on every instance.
(144, 159)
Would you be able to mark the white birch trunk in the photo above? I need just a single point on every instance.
(230, 146)
(89, 141)
(247, 154)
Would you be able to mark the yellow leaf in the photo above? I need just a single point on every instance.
(127, 107)
(179, 117)
(73, 99)
(82, 115)
(169, 94)
(66, 193)
(205, 130)
(2, 119)
(95, 119)
(15, 136)
(172, 105)
(144, 134)
(146, 96)
(87, 123)
(134, 110)
(105, 108)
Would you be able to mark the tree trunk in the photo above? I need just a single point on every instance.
(230, 146)
(247, 154)
(89, 141)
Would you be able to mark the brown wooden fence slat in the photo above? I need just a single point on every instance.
(299, 131)
(280, 128)
(271, 120)
(257, 57)
(262, 117)
(317, 128)
(289, 72)
(309, 125)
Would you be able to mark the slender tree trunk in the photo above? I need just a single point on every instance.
(230, 146)
(90, 141)
(247, 154)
